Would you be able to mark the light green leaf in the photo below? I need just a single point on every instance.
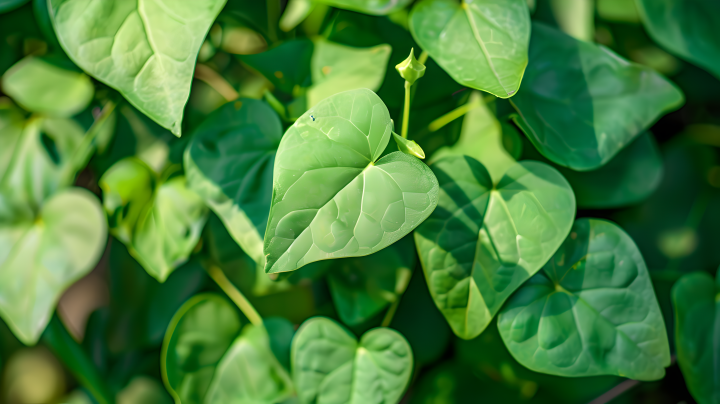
(362, 287)
(42, 87)
(39, 259)
(598, 107)
(229, 163)
(249, 372)
(687, 28)
(332, 197)
(159, 222)
(373, 7)
(331, 366)
(592, 311)
(197, 338)
(335, 68)
(482, 44)
(146, 49)
(143, 390)
(11, 129)
(696, 300)
(484, 240)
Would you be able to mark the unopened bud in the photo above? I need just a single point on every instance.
(410, 69)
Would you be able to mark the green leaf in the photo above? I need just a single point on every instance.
(11, 129)
(600, 104)
(687, 28)
(8, 5)
(39, 259)
(286, 65)
(484, 240)
(146, 50)
(199, 334)
(249, 373)
(330, 365)
(373, 7)
(332, 197)
(159, 223)
(143, 390)
(229, 164)
(592, 311)
(362, 287)
(482, 44)
(45, 88)
(696, 299)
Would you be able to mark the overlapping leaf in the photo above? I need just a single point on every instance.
(332, 197)
(330, 365)
(580, 103)
(484, 240)
(482, 44)
(146, 49)
(592, 311)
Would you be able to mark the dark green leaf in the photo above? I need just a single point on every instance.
(581, 103)
(7, 5)
(592, 311)
(484, 240)
(286, 65)
(327, 165)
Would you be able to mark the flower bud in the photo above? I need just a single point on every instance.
(410, 69)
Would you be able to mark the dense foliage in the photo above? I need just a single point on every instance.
(359, 201)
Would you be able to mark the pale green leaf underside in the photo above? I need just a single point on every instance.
(482, 44)
(592, 311)
(146, 49)
(696, 302)
(44, 88)
(331, 198)
(40, 259)
(483, 241)
(198, 336)
(329, 365)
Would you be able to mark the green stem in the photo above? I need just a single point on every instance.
(74, 357)
(406, 111)
(273, 14)
(423, 57)
(84, 150)
(453, 115)
(235, 295)
(390, 313)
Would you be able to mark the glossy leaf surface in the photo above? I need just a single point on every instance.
(160, 224)
(332, 197)
(484, 240)
(581, 103)
(592, 311)
(229, 164)
(44, 88)
(687, 28)
(696, 302)
(39, 259)
(146, 49)
(331, 366)
(199, 334)
(482, 44)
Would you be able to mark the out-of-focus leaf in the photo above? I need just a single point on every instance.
(575, 17)
(39, 259)
(592, 311)
(687, 28)
(141, 49)
(485, 239)
(159, 222)
(482, 44)
(580, 103)
(7, 5)
(11, 129)
(280, 332)
(362, 287)
(374, 7)
(45, 88)
(696, 299)
(330, 365)
(143, 390)
(286, 65)
(199, 334)
(249, 372)
(332, 197)
(618, 10)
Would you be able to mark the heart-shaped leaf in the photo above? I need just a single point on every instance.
(42, 87)
(144, 49)
(592, 311)
(581, 103)
(159, 222)
(332, 197)
(482, 44)
(39, 259)
(696, 299)
(484, 240)
(330, 365)
(229, 164)
(685, 28)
